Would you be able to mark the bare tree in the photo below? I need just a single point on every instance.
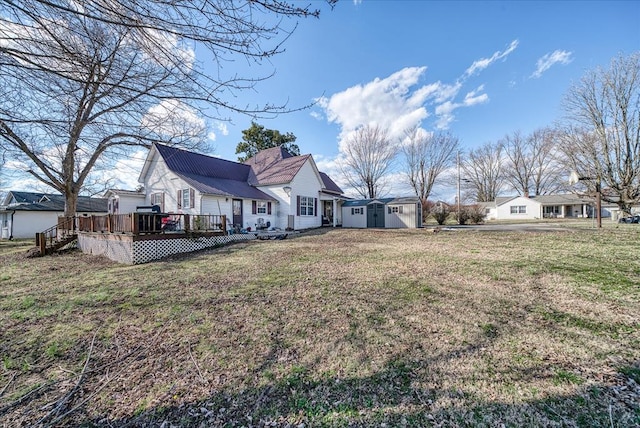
(602, 140)
(548, 170)
(84, 83)
(368, 157)
(530, 162)
(483, 170)
(427, 156)
(519, 168)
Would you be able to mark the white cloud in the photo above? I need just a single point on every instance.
(483, 63)
(550, 59)
(385, 102)
(401, 101)
(316, 115)
(476, 97)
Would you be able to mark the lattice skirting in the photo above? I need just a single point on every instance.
(125, 249)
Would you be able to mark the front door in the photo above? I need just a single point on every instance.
(375, 215)
(237, 212)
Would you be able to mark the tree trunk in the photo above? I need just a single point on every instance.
(71, 203)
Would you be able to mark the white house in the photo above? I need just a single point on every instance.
(382, 213)
(123, 201)
(272, 187)
(23, 214)
(543, 206)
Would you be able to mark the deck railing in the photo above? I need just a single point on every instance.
(150, 223)
(56, 235)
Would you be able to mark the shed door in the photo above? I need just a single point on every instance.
(375, 215)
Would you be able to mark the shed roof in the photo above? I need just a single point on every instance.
(385, 201)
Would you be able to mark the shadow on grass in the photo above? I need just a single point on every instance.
(391, 397)
(404, 392)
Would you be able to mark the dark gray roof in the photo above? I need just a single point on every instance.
(53, 202)
(210, 175)
(24, 197)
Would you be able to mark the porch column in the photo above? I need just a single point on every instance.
(335, 212)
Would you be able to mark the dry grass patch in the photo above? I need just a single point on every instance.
(332, 328)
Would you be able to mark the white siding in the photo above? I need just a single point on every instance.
(127, 203)
(354, 220)
(160, 179)
(306, 183)
(533, 209)
(407, 219)
(27, 223)
(280, 208)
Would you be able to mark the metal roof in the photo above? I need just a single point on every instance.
(329, 184)
(385, 201)
(274, 166)
(216, 176)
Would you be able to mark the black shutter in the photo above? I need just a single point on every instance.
(254, 207)
(298, 205)
(192, 198)
(269, 208)
(179, 199)
(315, 206)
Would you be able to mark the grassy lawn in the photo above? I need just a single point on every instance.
(332, 328)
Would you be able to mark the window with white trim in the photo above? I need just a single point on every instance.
(396, 209)
(359, 210)
(261, 207)
(518, 209)
(186, 198)
(307, 206)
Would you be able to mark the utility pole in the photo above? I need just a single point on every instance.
(458, 197)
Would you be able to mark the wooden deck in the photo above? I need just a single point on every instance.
(147, 226)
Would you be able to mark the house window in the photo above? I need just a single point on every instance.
(359, 210)
(395, 209)
(112, 206)
(260, 207)
(518, 209)
(307, 206)
(157, 199)
(186, 198)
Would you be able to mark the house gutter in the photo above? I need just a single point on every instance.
(11, 230)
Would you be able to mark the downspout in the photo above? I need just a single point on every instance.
(11, 230)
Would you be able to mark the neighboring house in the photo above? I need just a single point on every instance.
(382, 213)
(543, 206)
(126, 201)
(272, 187)
(490, 210)
(23, 214)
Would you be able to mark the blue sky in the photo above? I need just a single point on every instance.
(478, 69)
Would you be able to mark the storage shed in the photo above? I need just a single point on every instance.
(390, 213)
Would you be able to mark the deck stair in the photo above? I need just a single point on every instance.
(57, 237)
